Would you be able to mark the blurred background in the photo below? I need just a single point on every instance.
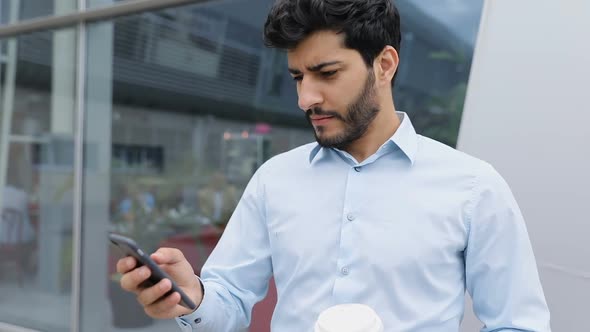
(149, 117)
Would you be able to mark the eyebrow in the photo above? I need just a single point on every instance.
(314, 68)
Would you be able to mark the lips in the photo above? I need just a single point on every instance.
(320, 120)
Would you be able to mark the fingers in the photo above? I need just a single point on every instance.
(152, 294)
(130, 281)
(158, 304)
(156, 300)
(126, 264)
(166, 307)
(168, 256)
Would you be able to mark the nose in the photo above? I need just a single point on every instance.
(309, 96)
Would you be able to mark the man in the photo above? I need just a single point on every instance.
(16, 200)
(372, 213)
(17, 234)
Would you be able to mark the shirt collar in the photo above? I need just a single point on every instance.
(405, 138)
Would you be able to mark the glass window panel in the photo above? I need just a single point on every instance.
(12, 11)
(185, 103)
(37, 86)
(438, 39)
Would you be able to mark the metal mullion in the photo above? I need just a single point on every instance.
(76, 298)
(90, 15)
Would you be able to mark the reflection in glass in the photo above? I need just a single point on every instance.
(437, 48)
(36, 172)
(12, 11)
(192, 103)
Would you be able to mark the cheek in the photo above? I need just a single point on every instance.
(348, 88)
(339, 97)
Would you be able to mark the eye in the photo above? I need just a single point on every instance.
(297, 78)
(327, 74)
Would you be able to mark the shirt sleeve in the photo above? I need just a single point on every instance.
(501, 272)
(236, 274)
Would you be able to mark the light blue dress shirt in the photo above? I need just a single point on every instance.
(406, 232)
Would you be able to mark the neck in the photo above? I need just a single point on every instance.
(381, 129)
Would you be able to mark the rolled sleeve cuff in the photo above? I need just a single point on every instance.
(197, 320)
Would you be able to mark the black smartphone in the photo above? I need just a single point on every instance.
(130, 248)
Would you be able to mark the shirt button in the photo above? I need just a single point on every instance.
(350, 217)
(345, 271)
(357, 168)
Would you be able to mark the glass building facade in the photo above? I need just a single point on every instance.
(148, 118)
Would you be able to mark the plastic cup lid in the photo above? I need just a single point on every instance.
(349, 318)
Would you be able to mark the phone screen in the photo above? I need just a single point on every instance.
(130, 248)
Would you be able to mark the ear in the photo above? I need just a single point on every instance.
(385, 66)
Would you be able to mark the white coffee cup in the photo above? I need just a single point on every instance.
(351, 317)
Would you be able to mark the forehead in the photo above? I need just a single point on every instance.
(321, 46)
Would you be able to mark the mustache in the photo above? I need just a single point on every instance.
(319, 111)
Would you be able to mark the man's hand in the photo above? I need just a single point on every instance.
(172, 261)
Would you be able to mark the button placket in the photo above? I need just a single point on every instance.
(347, 256)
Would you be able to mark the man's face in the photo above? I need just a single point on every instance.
(335, 88)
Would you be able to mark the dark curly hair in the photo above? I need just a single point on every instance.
(368, 25)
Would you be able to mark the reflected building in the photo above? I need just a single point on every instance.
(172, 97)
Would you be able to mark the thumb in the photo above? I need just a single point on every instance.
(168, 256)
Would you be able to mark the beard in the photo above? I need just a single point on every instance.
(359, 115)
